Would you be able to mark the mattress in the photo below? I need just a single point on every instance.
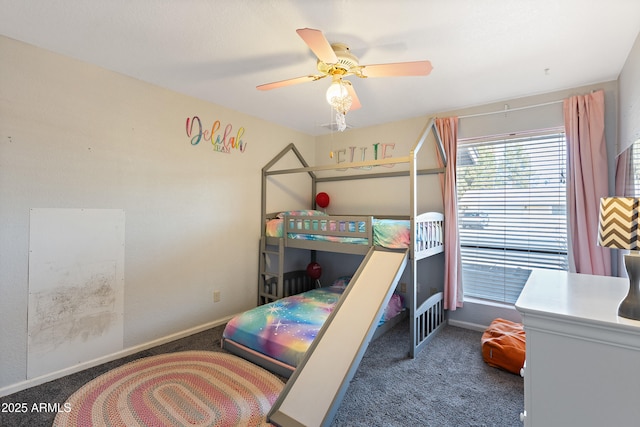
(284, 329)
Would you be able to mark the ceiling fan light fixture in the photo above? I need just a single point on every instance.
(336, 61)
(338, 96)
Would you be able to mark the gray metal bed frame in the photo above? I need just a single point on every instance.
(428, 317)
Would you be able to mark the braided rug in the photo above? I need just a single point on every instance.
(190, 388)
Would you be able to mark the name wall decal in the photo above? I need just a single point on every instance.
(221, 142)
(380, 151)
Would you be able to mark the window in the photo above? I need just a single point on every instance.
(511, 211)
(633, 178)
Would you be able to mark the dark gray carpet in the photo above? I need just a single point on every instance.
(448, 384)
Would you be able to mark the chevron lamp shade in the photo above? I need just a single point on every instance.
(618, 225)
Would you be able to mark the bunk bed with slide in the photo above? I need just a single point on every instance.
(292, 310)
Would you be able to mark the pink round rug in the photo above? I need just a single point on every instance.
(190, 388)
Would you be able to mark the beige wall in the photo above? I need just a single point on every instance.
(629, 81)
(383, 196)
(73, 135)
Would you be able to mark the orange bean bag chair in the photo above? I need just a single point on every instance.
(503, 345)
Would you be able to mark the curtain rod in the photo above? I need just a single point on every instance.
(508, 110)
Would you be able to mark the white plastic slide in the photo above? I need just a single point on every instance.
(313, 394)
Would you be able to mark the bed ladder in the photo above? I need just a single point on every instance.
(270, 280)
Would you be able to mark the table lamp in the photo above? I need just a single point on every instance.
(618, 228)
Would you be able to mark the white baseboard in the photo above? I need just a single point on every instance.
(467, 325)
(478, 314)
(32, 382)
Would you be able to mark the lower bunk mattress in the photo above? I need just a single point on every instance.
(281, 332)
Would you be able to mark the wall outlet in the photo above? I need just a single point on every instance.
(216, 296)
(403, 288)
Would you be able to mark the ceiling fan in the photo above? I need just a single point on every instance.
(337, 61)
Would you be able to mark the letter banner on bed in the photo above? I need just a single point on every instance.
(222, 140)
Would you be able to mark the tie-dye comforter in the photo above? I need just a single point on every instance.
(284, 329)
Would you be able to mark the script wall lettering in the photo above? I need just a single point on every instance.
(223, 142)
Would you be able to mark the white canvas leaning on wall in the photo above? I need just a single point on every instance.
(76, 287)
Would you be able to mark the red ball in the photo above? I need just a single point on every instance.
(314, 270)
(322, 200)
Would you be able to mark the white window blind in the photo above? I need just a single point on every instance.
(633, 177)
(511, 211)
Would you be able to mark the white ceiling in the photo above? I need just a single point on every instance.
(482, 51)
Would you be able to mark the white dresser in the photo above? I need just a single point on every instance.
(583, 361)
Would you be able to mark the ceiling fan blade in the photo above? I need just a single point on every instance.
(355, 102)
(416, 68)
(318, 45)
(289, 82)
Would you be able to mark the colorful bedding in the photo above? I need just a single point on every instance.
(388, 233)
(284, 329)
